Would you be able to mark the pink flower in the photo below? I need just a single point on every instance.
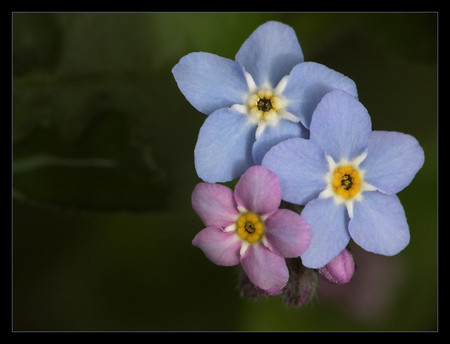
(247, 227)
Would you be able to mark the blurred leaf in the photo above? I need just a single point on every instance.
(89, 172)
(99, 76)
(105, 43)
(147, 42)
(101, 117)
(36, 43)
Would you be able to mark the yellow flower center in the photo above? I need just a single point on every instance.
(250, 227)
(346, 181)
(263, 104)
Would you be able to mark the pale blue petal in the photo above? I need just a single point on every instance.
(300, 166)
(341, 125)
(392, 161)
(328, 222)
(210, 82)
(224, 147)
(270, 52)
(275, 134)
(308, 83)
(379, 224)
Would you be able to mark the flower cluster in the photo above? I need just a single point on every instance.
(311, 172)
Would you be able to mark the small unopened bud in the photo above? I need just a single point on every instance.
(302, 283)
(247, 288)
(340, 270)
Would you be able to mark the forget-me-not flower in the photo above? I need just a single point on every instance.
(264, 96)
(348, 177)
(246, 227)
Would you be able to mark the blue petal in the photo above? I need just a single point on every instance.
(379, 224)
(224, 147)
(308, 83)
(275, 134)
(341, 126)
(300, 166)
(270, 53)
(328, 222)
(392, 161)
(210, 82)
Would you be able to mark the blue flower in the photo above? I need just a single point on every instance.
(348, 177)
(264, 96)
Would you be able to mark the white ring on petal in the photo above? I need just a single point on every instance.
(230, 228)
(329, 190)
(245, 245)
(262, 119)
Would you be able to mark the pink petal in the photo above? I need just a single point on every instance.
(258, 191)
(287, 233)
(265, 269)
(214, 203)
(222, 248)
(340, 270)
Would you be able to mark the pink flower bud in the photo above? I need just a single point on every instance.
(248, 289)
(340, 270)
(302, 284)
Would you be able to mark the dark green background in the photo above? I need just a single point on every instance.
(103, 171)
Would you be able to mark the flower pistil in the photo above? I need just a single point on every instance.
(264, 105)
(346, 181)
(250, 227)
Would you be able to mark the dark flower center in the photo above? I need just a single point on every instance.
(264, 105)
(346, 181)
(249, 227)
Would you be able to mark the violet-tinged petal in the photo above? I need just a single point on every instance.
(270, 52)
(328, 222)
(308, 83)
(210, 82)
(265, 269)
(224, 147)
(379, 224)
(222, 248)
(392, 161)
(287, 233)
(340, 270)
(272, 135)
(214, 204)
(341, 126)
(300, 166)
(258, 191)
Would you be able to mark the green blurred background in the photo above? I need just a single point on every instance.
(103, 171)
